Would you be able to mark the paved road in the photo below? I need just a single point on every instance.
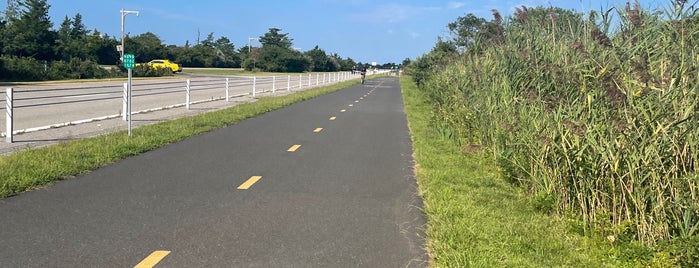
(333, 187)
(43, 106)
(38, 105)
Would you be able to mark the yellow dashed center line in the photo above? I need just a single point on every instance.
(333, 118)
(252, 180)
(294, 148)
(152, 259)
(318, 130)
(343, 110)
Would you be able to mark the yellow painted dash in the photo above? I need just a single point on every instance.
(343, 110)
(351, 105)
(318, 130)
(152, 259)
(294, 148)
(333, 118)
(247, 184)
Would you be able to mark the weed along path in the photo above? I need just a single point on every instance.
(327, 182)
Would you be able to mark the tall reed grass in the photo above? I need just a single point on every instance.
(596, 124)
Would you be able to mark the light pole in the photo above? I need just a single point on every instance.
(250, 44)
(123, 14)
(250, 51)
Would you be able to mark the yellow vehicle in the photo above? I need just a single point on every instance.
(163, 64)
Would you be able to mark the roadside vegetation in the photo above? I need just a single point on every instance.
(593, 118)
(477, 218)
(34, 168)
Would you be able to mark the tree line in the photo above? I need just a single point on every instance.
(31, 49)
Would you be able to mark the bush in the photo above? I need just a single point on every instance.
(30, 69)
(21, 69)
(600, 127)
(148, 71)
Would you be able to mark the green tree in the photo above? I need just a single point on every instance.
(31, 34)
(145, 47)
(204, 53)
(427, 65)
(225, 50)
(275, 38)
(406, 62)
(465, 30)
(71, 40)
(63, 39)
(278, 59)
(12, 10)
(102, 48)
(347, 64)
(78, 30)
(319, 61)
(276, 54)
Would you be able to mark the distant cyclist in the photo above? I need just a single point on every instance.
(363, 72)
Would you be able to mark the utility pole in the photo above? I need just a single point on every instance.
(121, 48)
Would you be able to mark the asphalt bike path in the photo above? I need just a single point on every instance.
(327, 182)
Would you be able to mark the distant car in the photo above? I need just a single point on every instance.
(163, 64)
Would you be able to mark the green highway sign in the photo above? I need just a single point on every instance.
(129, 61)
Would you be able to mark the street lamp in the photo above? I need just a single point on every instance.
(250, 44)
(250, 51)
(123, 14)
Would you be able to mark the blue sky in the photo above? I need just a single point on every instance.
(365, 30)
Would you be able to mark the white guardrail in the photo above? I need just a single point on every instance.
(60, 101)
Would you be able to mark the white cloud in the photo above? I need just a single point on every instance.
(394, 13)
(456, 5)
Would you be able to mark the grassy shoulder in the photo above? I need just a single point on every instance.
(477, 219)
(34, 168)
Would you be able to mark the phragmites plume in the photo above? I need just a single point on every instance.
(600, 37)
(553, 15)
(497, 19)
(521, 14)
(634, 13)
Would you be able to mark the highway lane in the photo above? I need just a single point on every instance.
(49, 104)
(320, 193)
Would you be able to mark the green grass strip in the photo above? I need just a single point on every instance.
(33, 168)
(477, 219)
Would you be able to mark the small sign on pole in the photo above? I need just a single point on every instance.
(129, 63)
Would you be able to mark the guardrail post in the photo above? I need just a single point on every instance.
(228, 87)
(323, 78)
(288, 83)
(300, 82)
(124, 102)
(8, 115)
(254, 84)
(317, 79)
(309, 80)
(274, 81)
(188, 87)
